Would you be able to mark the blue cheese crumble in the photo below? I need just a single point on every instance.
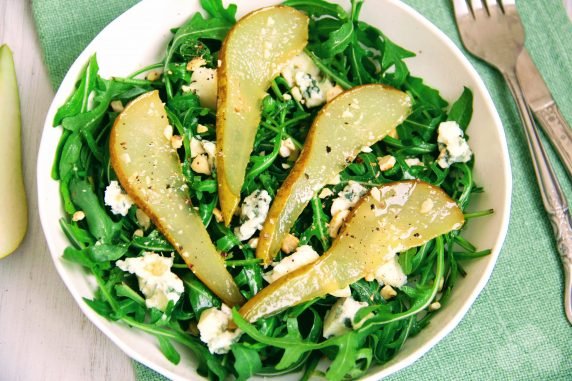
(156, 281)
(452, 145)
(214, 329)
(253, 213)
(340, 318)
(308, 84)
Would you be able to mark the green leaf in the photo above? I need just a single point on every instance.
(462, 110)
(100, 224)
(338, 40)
(246, 361)
(424, 94)
(106, 252)
(345, 358)
(215, 8)
(168, 350)
(200, 297)
(393, 56)
(318, 8)
(78, 256)
(77, 102)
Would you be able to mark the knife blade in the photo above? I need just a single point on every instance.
(545, 109)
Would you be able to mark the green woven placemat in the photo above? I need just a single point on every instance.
(516, 330)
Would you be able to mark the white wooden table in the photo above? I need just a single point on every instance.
(43, 334)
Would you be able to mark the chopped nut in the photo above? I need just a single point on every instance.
(376, 194)
(287, 97)
(369, 277)
(154, 75)
(253, 243)
(336, 222)
(168, 132)
(218, 63)
(326, 192)
(217, 214)
(176, 141)
(286, 166)
(117, 105)
(196, 63)
(138, 233)
(201, 129)
(200, 164)
(387, 292)
(366, 149)
(289, 244)
(386, 162)
(333, 92)
(287, 147)
(142, 219)
(434, 306)
(78, 216)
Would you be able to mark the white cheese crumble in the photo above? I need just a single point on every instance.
(307, 83)
(213, 327)
(156, 281)
(391, 273)
(348, 197)
(340, 318)
(116, 199)
(452, 144)
(303, 255)
(253, 214)
(204, 84)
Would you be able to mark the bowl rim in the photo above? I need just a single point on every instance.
(105, 326)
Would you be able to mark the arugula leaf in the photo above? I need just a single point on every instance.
(338, 40)
(246, 361)
(196, 28)
(393, 56)
(100, 224)
(168, 350)
(215, 8)
(200, 297)
(462, 110)
(318, 8)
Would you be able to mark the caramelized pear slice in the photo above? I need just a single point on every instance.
(148, 168)
(388, 220)
(252, 55)
(357, 118)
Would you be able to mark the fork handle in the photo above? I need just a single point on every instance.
(552, 196)
(556, 128)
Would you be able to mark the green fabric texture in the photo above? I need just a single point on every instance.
(516, 330)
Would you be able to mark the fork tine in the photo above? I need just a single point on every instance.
(493, 7)
(477, 6)
(461, 8)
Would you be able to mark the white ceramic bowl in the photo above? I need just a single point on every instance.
(139, 37)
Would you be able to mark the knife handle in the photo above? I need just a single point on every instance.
(555, 126)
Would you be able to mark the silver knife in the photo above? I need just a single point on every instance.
(540, 101)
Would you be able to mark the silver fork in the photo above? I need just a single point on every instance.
(492, 31)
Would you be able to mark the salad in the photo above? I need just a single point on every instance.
(276, 191)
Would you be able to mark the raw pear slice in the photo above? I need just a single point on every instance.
(149, 169)
(388, 220)
(354, 119)
(13, 205)
(252, 55)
